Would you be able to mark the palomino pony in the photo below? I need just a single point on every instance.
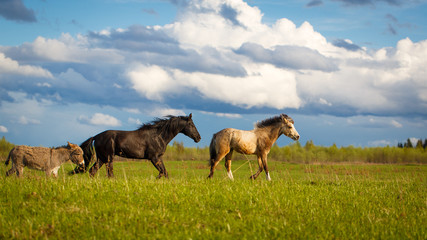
(147, 142)
(41, 158)
(257, 141)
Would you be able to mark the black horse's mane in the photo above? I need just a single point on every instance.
(273, 120)
(167, 123)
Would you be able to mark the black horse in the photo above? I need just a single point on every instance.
(147, 142)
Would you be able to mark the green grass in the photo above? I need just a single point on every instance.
(302, 202)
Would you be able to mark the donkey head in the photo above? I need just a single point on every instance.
(288, 128)
(76, 154)
(190, 130)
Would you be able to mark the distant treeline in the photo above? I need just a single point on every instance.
(296, 153)
(310, 153)
(408, 144)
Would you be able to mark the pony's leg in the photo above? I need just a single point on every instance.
(215, 162)
(220, 155)
(264, 164)
(260, 167)
(228, 164)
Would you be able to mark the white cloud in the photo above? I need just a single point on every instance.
(165, 112)
(153, 82)
(9, 66)
(100, 119)
(3, 129)
(265, 85)
(65, 49)
(226, 115)
(222, 50)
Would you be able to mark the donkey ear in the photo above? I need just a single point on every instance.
(191, 115)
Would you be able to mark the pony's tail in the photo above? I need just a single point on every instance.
(212, 150)
(87, 148)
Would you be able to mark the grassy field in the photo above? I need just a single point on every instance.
(304, 201)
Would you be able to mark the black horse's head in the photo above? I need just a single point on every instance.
(190, 129)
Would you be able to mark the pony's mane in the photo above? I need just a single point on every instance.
(169, 122)
(273, 120)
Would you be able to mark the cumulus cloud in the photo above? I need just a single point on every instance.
(65, 49)
(293, 57)
(3, 129)
(220, 54)
(9, 66)
(100, 119)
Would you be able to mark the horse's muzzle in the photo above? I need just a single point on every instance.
(197, 139)
(295, 137)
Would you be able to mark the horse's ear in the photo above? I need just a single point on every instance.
(189, 116)
(284, 117)
(69, 144)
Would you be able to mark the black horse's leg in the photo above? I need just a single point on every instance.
(158, 164)
(109, 166)
(163, 168)
(260, 167)
(154, 162)
(95, 167)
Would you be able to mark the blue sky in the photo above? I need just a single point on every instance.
(349, 72)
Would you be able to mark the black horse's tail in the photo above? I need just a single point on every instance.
(212, 150)
(88, 151)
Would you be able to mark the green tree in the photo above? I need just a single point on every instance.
(408, 144)
(419, 144)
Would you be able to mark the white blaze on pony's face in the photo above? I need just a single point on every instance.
(289, 129)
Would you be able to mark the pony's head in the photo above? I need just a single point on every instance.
(76, 154)
(190, 129)
(288, 128)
